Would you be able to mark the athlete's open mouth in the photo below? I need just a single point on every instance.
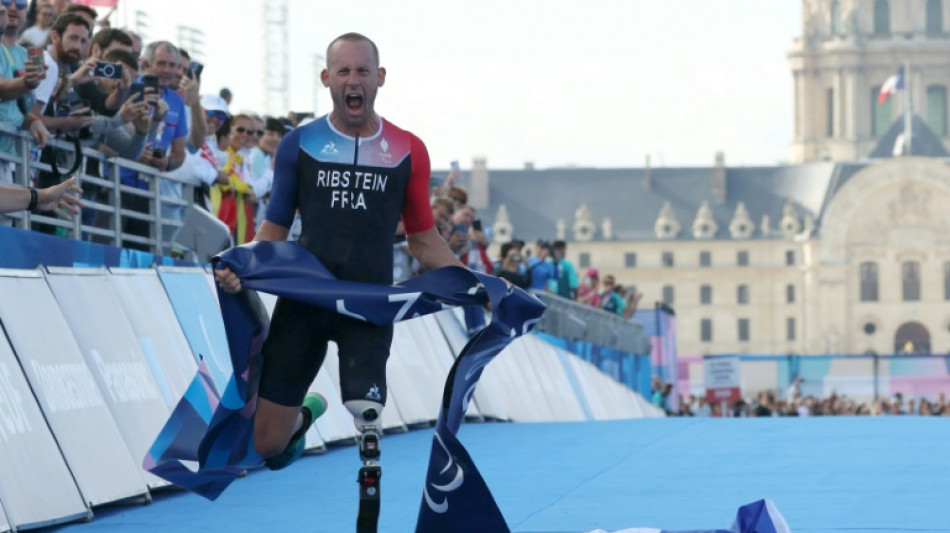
(354, 101)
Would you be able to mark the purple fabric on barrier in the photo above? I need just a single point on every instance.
(220, 438)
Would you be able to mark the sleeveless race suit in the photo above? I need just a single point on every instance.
(351, 193)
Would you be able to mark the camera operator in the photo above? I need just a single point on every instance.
(512, 265)
(104, 102)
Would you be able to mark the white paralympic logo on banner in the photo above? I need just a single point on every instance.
(456, 482)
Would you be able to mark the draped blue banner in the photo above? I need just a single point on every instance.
(216, 431)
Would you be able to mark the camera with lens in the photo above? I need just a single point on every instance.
(107, 70)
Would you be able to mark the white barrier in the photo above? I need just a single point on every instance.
(66, 390)
(114, 329)
(158, 332)
(489, 398)
(105, 337)
(4, 521)
(45, 492)
(196, 307)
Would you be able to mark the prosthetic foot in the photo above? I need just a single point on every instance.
(367, 415)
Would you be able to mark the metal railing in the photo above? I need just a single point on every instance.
(105, 229)
(574, 321)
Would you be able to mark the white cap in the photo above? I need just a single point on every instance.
(213, 102)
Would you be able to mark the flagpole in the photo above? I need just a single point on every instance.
(908, 113)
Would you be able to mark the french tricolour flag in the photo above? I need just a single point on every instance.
(891, 85)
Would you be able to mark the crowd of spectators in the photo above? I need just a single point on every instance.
(65, 72)
(542, 266)
(767, 404)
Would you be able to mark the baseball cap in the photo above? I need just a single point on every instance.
(592, 273)
(213, 102)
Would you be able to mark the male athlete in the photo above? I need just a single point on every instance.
(353, 176)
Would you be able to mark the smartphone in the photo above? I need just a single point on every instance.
(139, 89)
(151, 81)
(107, 70)
(196, 69)
(461, 228)
(477, 225)
(35, 56)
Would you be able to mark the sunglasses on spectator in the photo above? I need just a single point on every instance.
(242, 129)
(220, 115)
(19, 5)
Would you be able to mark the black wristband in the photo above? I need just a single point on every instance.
(33, 200)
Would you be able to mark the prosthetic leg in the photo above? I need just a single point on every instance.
(367, 415)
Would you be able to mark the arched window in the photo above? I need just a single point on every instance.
(912, 338)
(882, 18)
(868, 281)
(934, 17)
(836, 28)
(742, 294)
(910, 280)
(937, 109)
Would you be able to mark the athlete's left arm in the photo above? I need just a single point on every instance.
(431, 250)
(425, 243)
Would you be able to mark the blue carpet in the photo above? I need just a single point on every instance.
(832, 474)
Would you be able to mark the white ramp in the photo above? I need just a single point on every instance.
(107, 341)
(36, 486)
(66, 390)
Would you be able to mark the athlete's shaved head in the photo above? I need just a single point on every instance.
(354, 37)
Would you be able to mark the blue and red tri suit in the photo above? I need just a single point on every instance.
(351, 193)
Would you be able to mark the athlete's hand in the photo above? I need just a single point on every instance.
(227, 280)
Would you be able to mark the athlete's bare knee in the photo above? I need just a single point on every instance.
(273, 427)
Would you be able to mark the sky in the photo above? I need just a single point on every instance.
(554, 83)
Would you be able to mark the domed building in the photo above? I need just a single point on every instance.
(844, 251)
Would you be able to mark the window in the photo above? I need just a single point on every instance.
(880, 113)
(868, 281)
(742, 258)
(934, 17)
(705, 294)
(742, 294)
(910, 277)
(705, 330)
(836, 18)
(630, 260)
(789, 294)
(946, 281)
(668, 295)
(583, 260)
(882, 18)
(705, 259)
(789, 329)
(830, 107)
(667, 259)
(937, 109)
(790, 257)
(743, 329)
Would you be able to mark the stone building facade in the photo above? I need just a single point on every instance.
(845, 252)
